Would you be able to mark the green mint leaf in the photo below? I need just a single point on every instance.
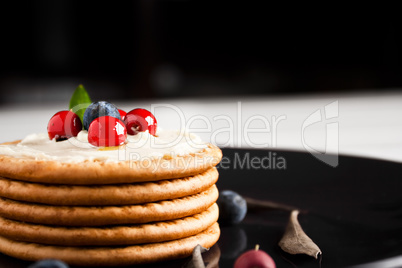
(79, 102)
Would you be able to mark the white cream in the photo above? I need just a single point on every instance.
(77, 149)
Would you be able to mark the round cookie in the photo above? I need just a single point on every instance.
(112, 256)
(108, 215)
(102, 195)
(113, 235)
(101, 172)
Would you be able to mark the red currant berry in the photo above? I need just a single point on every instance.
(107, 131)
(139, 120)
(64, 125)
(122, 114)
(254, 258)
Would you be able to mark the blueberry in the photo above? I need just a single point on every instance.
(49, 263)
(98, 109)
(232, 207)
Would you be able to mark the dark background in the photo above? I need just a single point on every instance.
(126, 50)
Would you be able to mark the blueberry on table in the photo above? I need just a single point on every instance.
(98, 109)
(232, 207)
(49, 263)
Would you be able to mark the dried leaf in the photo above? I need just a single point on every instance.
(212, 256)
(295, 240)
(196, 258)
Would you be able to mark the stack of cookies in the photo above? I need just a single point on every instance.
(108, 213)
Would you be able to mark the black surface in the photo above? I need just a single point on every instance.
(117, 49)
(353, 212)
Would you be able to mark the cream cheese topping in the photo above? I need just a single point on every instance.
(77, 149)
